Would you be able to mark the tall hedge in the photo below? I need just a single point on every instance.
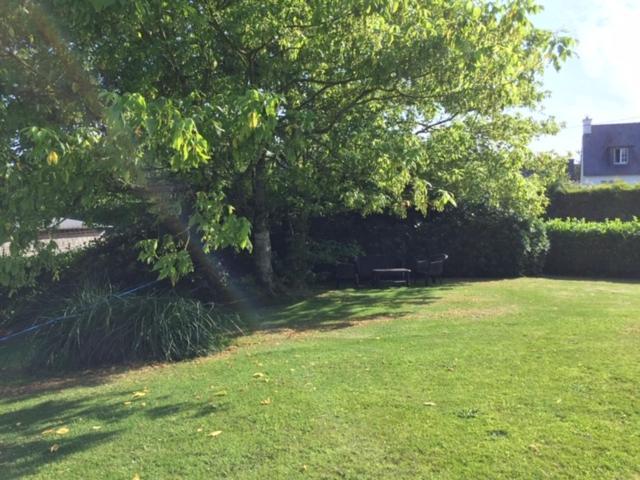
(481, 241)
(486, 242)
(618, 200)
(582, 248)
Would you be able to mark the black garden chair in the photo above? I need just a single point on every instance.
(431, 269)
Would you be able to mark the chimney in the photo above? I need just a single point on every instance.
(586, 126)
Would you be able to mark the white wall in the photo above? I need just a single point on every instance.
(595, 180)
(65, 243)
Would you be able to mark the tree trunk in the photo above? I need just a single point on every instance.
(202, 263)
(261, 235)
(298, 255)
(178, 228)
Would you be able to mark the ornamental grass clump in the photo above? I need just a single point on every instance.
(98, 327)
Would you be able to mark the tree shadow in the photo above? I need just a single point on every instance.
(25, 448)
(25, 458)
(20, 382)
(603, 279)
(335, 309)
(323, 309)
(29, 441)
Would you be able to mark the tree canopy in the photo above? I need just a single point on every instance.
(196, 121)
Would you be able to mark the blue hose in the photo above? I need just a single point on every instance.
(62, 317)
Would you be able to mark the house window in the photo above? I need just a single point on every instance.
(620, 155)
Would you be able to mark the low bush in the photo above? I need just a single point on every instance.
(596, 203)
(578, 247)
(99, 328)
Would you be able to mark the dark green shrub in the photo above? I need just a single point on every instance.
(485, 242)
(480, 241)
(330, 252)
(111, 261)
(371, 235)
(101, 328)
(597, 203)
(582, 248)
(26, 302)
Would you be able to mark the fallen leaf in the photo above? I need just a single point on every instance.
(54, 448)
(266, 401)
(96, 427)
(430, 404)
(221, 393)
(62, 431)
(258, 375)
(216, 433)
(139, 394)
(200, 430)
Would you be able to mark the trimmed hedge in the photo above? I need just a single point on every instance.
(603, 249)
(618, 200)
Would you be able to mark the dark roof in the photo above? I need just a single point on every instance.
(596, 149)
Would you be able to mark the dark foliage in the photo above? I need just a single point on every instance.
(486, 242)
(111, 261)
(480, 241)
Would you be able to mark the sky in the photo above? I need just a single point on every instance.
(602, 80)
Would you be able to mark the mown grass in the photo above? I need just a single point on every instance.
(527, 378)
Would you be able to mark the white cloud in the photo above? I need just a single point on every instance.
(608, 50)
(603, 80)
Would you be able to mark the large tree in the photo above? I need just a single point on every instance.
(202, 113)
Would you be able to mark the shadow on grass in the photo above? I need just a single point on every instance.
(591, 279)
(28, 438)
(27, 451)
(20, 382)
(26, 458)
(322, 310)
(335, 309)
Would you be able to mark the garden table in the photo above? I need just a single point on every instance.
(391, 275)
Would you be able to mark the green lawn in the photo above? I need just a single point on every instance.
(527, 378)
